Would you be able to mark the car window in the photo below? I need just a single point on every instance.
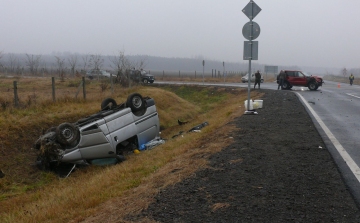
(290, 73)
(299, 74)
(306, 74)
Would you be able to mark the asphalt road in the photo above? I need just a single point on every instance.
(334, 109)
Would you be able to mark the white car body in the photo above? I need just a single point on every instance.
(244, 79)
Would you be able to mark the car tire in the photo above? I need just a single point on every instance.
(67, 133)
(286, 85)
(313, 86)
(145, 81)
(136, 102)
(108, 104)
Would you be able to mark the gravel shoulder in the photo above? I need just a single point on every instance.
(277, 170)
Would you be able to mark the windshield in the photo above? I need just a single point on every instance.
(306, 74)
(143, 72)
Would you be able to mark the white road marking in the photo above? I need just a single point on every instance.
(353, 95)
(346, 157)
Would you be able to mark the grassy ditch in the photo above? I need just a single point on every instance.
(30, 195)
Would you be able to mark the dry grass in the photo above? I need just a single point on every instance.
(121, 189)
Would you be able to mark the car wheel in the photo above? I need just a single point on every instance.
(286, 85)
(67, 133)
(313, 86)
(145, 81)
(108, 104)
(136, 102)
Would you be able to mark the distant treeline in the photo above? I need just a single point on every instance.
(68, 63)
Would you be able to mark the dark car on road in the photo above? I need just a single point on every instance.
(141, 76)
(300, 78)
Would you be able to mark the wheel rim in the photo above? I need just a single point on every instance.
(67, 133)
(312, 86)
(136, 101)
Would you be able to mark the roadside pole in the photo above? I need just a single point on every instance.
(251, 31)
(203, 63)
(224, 71)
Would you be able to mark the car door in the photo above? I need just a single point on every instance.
(290, 77)
(93, 143)
(299, 78)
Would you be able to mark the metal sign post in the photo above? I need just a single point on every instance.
(224, 71)
(203, 63)
(251, 31)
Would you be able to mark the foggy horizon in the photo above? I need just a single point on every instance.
(309, 33)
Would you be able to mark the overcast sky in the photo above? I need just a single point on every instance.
(321, 33)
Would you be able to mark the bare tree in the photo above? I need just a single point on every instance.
(121, 64)
(85, 59)
(12, 62)
(33, 62)
(72, 61)
(1, 55)
(19, 67)
(344, 72)
(60, 67)
(96, 61)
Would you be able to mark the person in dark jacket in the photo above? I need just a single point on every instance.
(282, 77)
(257, 79)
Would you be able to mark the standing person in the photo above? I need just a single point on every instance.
(281, 77)
(257, 79)
(351, 78)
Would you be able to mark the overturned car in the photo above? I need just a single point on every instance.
(110, 133)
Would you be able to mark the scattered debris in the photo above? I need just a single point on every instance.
(179, 134)
(250, 113)
(320, 147)
(152, 143)
(312, 102)
(198, 127)
(181, 122)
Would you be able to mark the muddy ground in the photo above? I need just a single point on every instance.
(277, 170)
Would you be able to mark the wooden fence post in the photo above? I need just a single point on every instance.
(53, 88)
(84, 90)
(111, 84)
(16, 98)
